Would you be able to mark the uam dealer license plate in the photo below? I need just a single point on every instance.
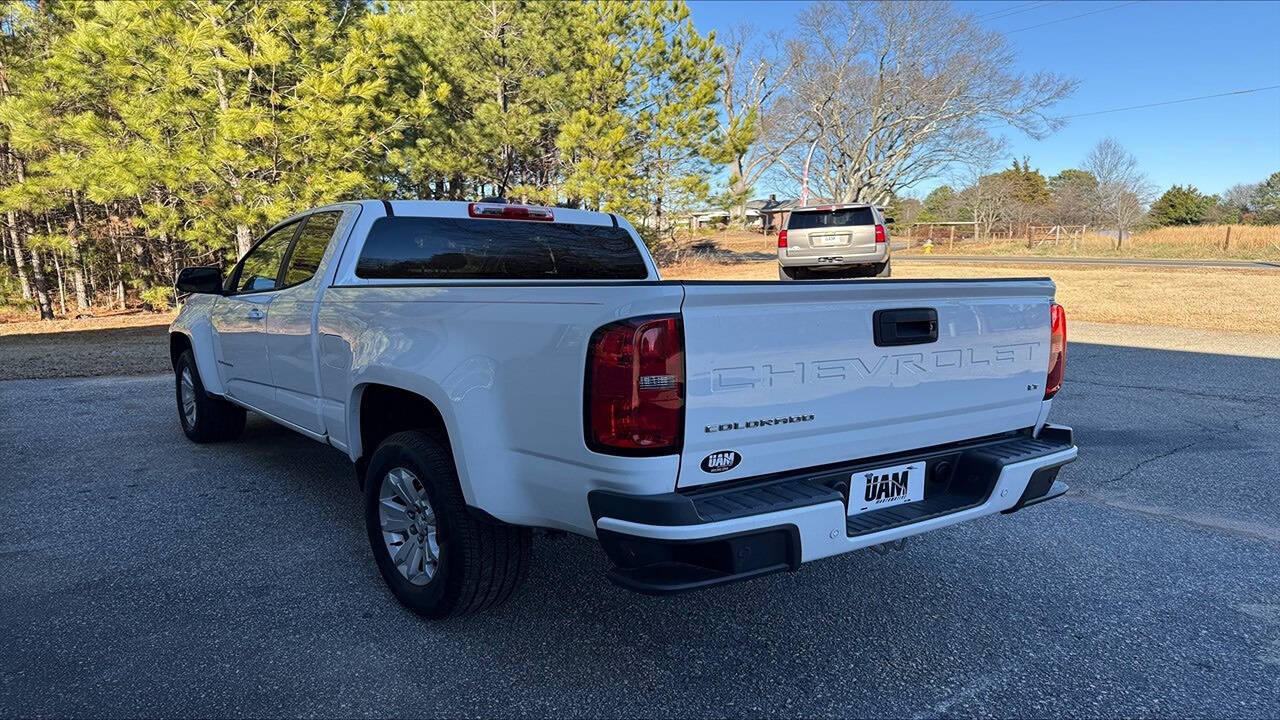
(885, 487)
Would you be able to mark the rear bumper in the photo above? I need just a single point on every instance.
(813, 257)
(688, 540)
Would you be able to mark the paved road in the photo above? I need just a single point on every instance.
(143, 575)
(1021, 260)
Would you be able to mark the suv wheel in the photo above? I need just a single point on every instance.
(437, 555)
(204, 417)
(884, 270)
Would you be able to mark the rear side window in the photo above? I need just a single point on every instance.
(465, 249)
(310, 246)
(810, 219)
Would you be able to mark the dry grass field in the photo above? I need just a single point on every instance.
(1234, 300)
(1248, 242)
(1194, 298)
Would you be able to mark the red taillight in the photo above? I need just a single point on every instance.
(499, 211)
(1057, 349)
(880, 233)
(635, 387)
(782, 238)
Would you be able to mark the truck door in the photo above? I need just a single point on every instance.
(290, 337)
(239, 319)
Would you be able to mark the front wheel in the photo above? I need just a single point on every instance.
(438, 557)
(204, 417)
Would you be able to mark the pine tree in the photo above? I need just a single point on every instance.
(139, 137)
(676, 109)
(1181, 206)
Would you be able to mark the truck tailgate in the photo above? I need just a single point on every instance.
(790, 375)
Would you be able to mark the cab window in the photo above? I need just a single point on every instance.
(429, 248)
(260, 268)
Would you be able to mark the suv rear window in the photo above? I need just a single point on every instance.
(404, 247)
(810, 219)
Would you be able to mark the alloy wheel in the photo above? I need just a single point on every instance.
(409, 527)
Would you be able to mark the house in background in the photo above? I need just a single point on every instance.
(763, 215)
(720, 217)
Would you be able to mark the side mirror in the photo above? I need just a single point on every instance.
(888, 221)
(206, 280)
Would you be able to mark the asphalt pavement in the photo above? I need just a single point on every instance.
(143, 575)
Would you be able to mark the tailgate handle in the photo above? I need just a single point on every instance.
(905, 326)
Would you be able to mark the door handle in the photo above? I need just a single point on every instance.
(255, 314)
(905, 326)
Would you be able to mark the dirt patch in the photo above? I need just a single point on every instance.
(136, 344)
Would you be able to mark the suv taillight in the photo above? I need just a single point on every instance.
(1057, 350)
(880, 234)
(635, 387)
(782, 238)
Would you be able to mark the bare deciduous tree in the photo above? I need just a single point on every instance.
(1122, 192)
(754, 73)
(894, 92)
(989, 199)
(1238, 200)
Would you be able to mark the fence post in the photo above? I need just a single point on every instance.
(1226, 244)
(951, 244)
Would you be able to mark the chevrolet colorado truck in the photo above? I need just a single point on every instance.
(493, 368)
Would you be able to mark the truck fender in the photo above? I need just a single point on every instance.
(418, 385)
(199, 333)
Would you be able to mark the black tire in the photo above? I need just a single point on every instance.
(481, 561)
(885, 270)
(214, 419)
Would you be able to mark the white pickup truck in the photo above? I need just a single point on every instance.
(492, 368)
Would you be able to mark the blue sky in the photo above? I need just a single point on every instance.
(1127, 55)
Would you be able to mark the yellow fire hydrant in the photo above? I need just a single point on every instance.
(928, 246)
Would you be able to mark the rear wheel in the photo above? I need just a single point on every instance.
(438, 557)
(884, 270)
(204, 417)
